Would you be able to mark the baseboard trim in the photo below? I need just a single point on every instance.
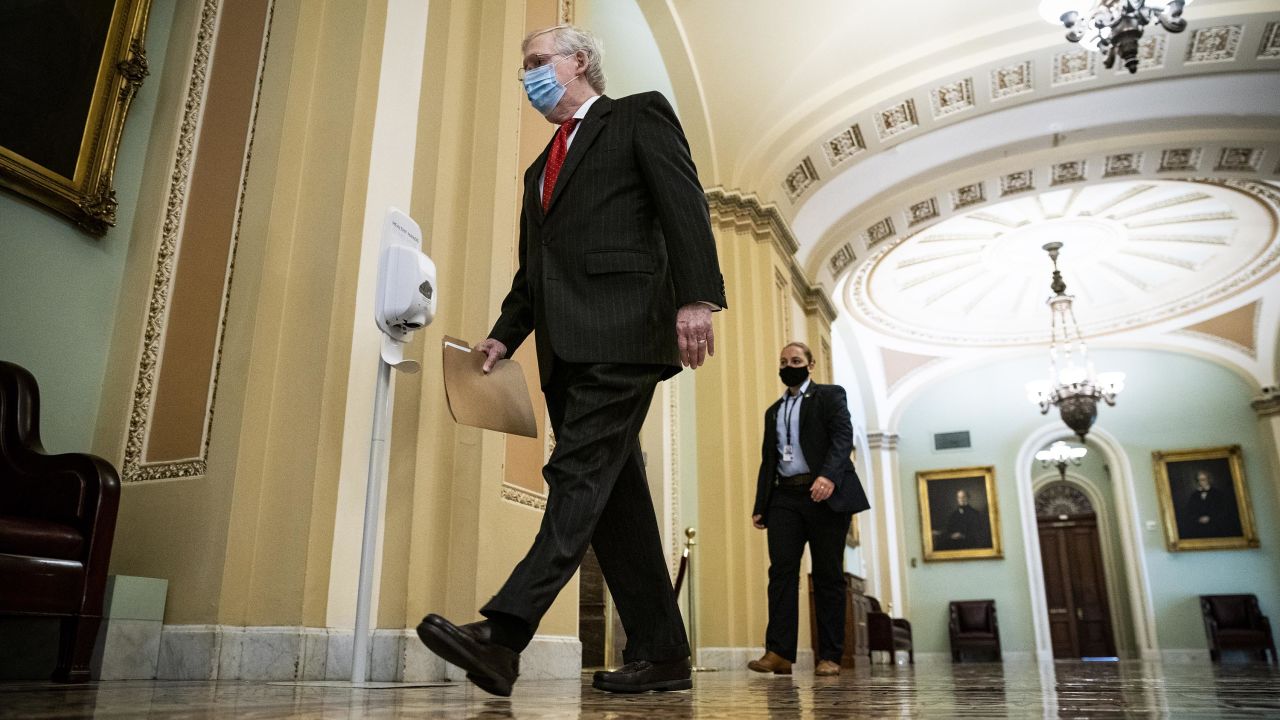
(228, 652)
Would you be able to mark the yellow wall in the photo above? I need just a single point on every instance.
(256, 540)
(732, 395)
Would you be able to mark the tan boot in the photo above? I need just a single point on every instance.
(826, 668)
(772, 662)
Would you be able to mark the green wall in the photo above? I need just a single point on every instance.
(59, 286)
(1171, 402)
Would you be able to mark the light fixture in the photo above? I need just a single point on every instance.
(1073, 386)
(1114, 27)
(1062, 455)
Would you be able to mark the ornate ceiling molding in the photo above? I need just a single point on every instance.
(1215, 44)
(1243, 159)
(943, 270)
(745, 210)
(766, 223)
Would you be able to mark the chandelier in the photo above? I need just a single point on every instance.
(1062, 455)
(1113, 27)
(1073, 386)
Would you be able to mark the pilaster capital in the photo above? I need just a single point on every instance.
(1268, 403)
(882, 441)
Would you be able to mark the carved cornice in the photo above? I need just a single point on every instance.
(882, 441)
(1268, 403)
(520, 496)
(766, 223)
(746, 211)
(816, 300)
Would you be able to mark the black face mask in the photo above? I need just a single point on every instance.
(793, 376)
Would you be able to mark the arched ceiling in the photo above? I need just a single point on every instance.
(879, 129)
(797, 96)
(1134, 253)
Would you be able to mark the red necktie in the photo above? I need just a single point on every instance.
(559, 148)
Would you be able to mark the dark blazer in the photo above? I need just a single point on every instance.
(624, 243)
(826, 439)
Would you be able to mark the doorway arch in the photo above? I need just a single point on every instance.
(1126, 508)
(1114, 569)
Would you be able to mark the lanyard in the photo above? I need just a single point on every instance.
(789, 404)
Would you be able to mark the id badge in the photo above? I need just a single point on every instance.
(788, 453)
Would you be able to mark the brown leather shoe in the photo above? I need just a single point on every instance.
(772, 662)
(827, 668)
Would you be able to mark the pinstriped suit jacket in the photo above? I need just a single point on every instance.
(624, 243)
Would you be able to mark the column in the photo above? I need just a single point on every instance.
(888, 569)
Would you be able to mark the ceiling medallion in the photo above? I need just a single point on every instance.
(1073, 385)
(1114, 27)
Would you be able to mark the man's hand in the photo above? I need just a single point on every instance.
(755, 520)
(821, 489)
(693, 331)
(494, 349)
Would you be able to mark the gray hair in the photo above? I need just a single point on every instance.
(569, 40)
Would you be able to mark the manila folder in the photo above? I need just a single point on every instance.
(496, 401)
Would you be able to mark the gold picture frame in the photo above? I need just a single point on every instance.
(955, 526)
(64, 116)
(1199, 510)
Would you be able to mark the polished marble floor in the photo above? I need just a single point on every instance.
(1063, 690)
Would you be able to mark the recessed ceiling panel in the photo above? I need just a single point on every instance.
(1133, 253)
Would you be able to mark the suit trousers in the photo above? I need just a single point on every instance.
(598, 496)
(795, 519)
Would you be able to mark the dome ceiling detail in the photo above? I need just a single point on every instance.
(1134, 253)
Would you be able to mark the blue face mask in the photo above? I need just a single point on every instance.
(543, 88)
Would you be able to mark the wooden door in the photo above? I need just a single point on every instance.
(1076, 588)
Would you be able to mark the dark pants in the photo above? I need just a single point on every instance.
(794, 519)
(598, 496)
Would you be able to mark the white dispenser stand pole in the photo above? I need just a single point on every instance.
(372, 517)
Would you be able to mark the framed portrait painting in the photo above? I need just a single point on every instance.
(71, 70)
(959, 517)
(1204, 501)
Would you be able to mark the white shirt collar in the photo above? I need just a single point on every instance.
(803, 389)
(582, 111)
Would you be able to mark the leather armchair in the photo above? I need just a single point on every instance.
(1235, 622)
(57, 519)
(888, 634)
(974, 629)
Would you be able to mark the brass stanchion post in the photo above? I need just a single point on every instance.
(690, 533)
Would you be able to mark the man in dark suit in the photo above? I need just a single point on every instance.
(966, 527)
(1208, 512)
(806, 492)
(618, 278)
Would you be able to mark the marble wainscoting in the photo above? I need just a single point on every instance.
(223, 652)
(129, 638)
